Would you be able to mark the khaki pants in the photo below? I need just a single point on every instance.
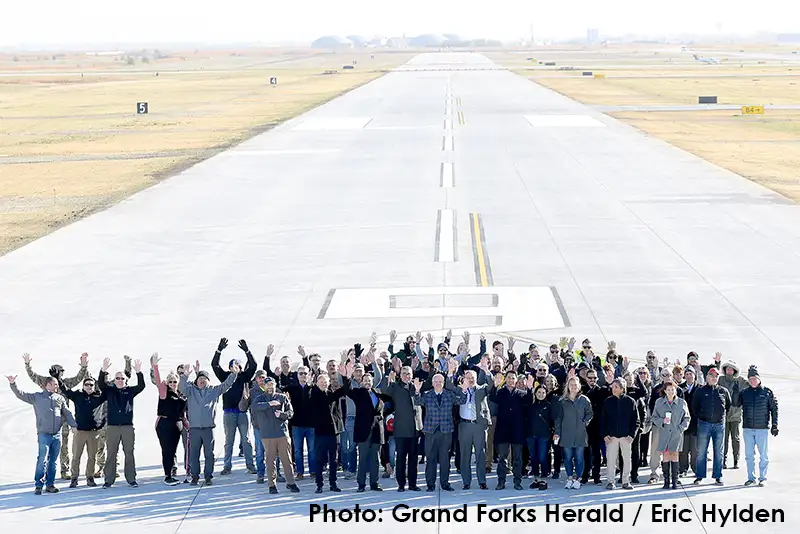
(101, 452)
(274, 448)
(114, 436)
(613, 448)
(81, 439)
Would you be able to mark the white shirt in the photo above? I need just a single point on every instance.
(469, 410)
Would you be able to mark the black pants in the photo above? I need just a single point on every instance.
(367, 463)
(635, 458)
(325, 451)
(168, 436)
(592, 459)
(437, 445)
(502, 462)
(644, 448)
(455, 450)
(555, 459)
(406, 464)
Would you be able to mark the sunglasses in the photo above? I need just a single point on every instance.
(88, 385)
(643, 373)
(172, 382)
(119, 378)
(591, 378)
(587, 347)
(302, 374)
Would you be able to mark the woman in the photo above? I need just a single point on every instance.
(540, 422)
(644, 383)
(671, 416)
(171, 419)
(575, 412)
(554, 456)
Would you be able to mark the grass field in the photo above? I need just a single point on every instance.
(764, 149)
(61, 131)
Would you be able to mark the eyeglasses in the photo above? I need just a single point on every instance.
(643, 373)
(301, 374)
(88, 385)
(591, 378)
(119, 378)
(587, 347)
(172, 382)
(651, 357)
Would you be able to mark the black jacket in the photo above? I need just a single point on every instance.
(597, 396)
(404, 411)
(285, 380)
(688, 396)
(759, 405)
(326, 410)
(368, 425)
(620, 417)
(710, 403)
(541, 418)
(231, 398)
(120, 400)
(511, 409)
(301, 404)
(85, 406)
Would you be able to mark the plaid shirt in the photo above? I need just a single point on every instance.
(439, 416)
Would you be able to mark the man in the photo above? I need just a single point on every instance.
(510, 432)
(86, 403)
(407, 424)
(57, 371)
(349, 444)
(273, 411)
(285, 377)
(368, 430)
(119, 428)
(438, 426)
(246, 404)
(619, 425)
(302, 422)
(201, 403)
(734, 383)
(326, 412)
(101, 416)
(710, 404)
(474, 422)
(759, 412)
(688, 455)
(233, 419)
(51, 410)
(593, 453)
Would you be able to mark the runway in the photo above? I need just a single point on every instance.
(425, 200)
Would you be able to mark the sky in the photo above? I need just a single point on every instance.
(101, 21)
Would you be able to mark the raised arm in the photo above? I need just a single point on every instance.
(250, 368)
(221, 374)
(82, 373)
(227, 384)
(30, 398)
(35, 378)
(162, 387)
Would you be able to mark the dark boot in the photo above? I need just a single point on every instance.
(675, 474)
(666, 468)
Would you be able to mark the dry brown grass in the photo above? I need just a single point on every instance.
(191, 116)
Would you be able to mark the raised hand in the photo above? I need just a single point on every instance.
(392, 337)
(482, 337)
(718, 357)
(511, 342)
(373, 338)
(126, 358)
(342, 369)
(465, 337)
(349, 366)
(137, 366)
(562, 343)
(243, 346)
(452, 365)
(612, 345)
(246, 392)
(498, 380)
(154, 359)
(391, 377)
(270, 349)
(84, 359)
(197, 366)
(417, 385)
(301, 350)
(449, 334)
(418, 336)
(106, 364)
(222, 344)
(343, 356)
(187, 369)
(529, 382)
(484, 364)
(358, 349)
(415, 362)
(429, 339)
(11, 379)
(26, 357)
(571, 343)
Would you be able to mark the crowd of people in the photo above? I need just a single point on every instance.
(381, 415)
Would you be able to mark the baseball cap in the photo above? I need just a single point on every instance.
(713, 370)
(203, 374)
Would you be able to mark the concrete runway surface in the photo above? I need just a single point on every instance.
(473, 200)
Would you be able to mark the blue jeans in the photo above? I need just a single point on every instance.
(537, 449)
(260, 467)
(349, 450)
(710, 432)
(232, 422)
(49, 449)
(570, 454)
(756, 438)
(298, 433)
(392, 450)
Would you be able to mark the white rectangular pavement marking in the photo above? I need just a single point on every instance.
(447, 174)
(574, 121)
(332, 123)
(448, 143)
(446, 237)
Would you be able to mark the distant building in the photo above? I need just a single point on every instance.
(592, 36)
(427, 40)
(357, 40)
(788, 38)
(332, 42)
(397, 42)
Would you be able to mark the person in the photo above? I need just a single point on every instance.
(326, 412)
(233, 419)
(510, 433)
(57, 371)
(731, 380)
(349, 445)
(368, 430)
(593, 455)
(644, 388)
(759, 413)
(710, 403)
(51, 410)
(201, 403)
(438, 425)
(655, 394)
(273, 412)
(258, 387)
(101, 415)
(86, 402)
(671, 416)
(119, 427)
(302, 422)
(620, 424)
(407, 426)
(574, 415)
(540, 421)
(474, 421)
(688, 455)
(170, 421)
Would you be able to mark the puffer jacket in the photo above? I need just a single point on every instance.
(50, 409)
(734, 384)
(758, 405)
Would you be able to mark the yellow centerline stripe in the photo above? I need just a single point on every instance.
(479, 251)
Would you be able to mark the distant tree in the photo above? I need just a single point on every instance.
(145, 59)
(16, 58)
(130, 60)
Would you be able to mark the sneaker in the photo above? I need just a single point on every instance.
(401, 489)
(226, 471)
(501, 486)
(517, 486)
(735, 466)
(448, 488)
(697, 481)
(281, 479)
(133, 484)
(335, 488)
(627, 486)
(319, 489)
(430, 489)
(465, 487)
(569, 484)
(73, 483)
(414, 488)
(186, 480)
(750, 483)
(170, 481)
(361, 489)
(251, 471)
(260, 479)
(542, 485)
(90, 482)
(51, 489)
(293, 488)
(653, 479)
(195, 480)
(106, 485)
(598, 482)
(208, 481)
(273, 490)
(718, 482)
(37, 491)
(762, 483)
(610, 486)
(483, 486)
(576, 485)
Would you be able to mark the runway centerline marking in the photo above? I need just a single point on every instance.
(446, 237)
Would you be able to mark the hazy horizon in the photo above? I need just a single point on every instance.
(250, 21)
